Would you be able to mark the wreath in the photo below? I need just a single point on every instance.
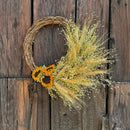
(82, 66)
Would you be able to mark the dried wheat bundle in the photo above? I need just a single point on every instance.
(79, 69)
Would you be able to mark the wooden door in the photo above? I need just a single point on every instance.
(25, 105)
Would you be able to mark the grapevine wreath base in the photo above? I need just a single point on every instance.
(79, 69)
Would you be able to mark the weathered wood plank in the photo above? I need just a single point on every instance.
(120, 38)
(96, 9)
(119, 107)
(96, 109)
(33, 120)
(14, 21)
(96, 106)
(63, 118)
(43, 109)
(3, 101)
(15, 104)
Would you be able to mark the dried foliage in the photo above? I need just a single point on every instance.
(82, 67)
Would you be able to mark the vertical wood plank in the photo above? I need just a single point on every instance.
(63, 118)
(96, 110)
(98, 9)
(120, 38)
(14, 21)
(3, 101)
(43, 109)
(119, 107)
(14, 100)
(33, 123)
(93, 116)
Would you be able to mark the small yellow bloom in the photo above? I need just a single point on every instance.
(48, 84)
(37, 72)
(49, 70)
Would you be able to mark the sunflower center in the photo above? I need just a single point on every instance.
(46, 79)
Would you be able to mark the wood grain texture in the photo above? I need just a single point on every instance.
(64, 119)
(14, 21)
(43, 109)
(33, 120)
(120, 38)
(92, 117)
(14, 104)
(119, 107)
(96, 9)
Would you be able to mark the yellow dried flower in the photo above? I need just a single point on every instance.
(37, 72)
